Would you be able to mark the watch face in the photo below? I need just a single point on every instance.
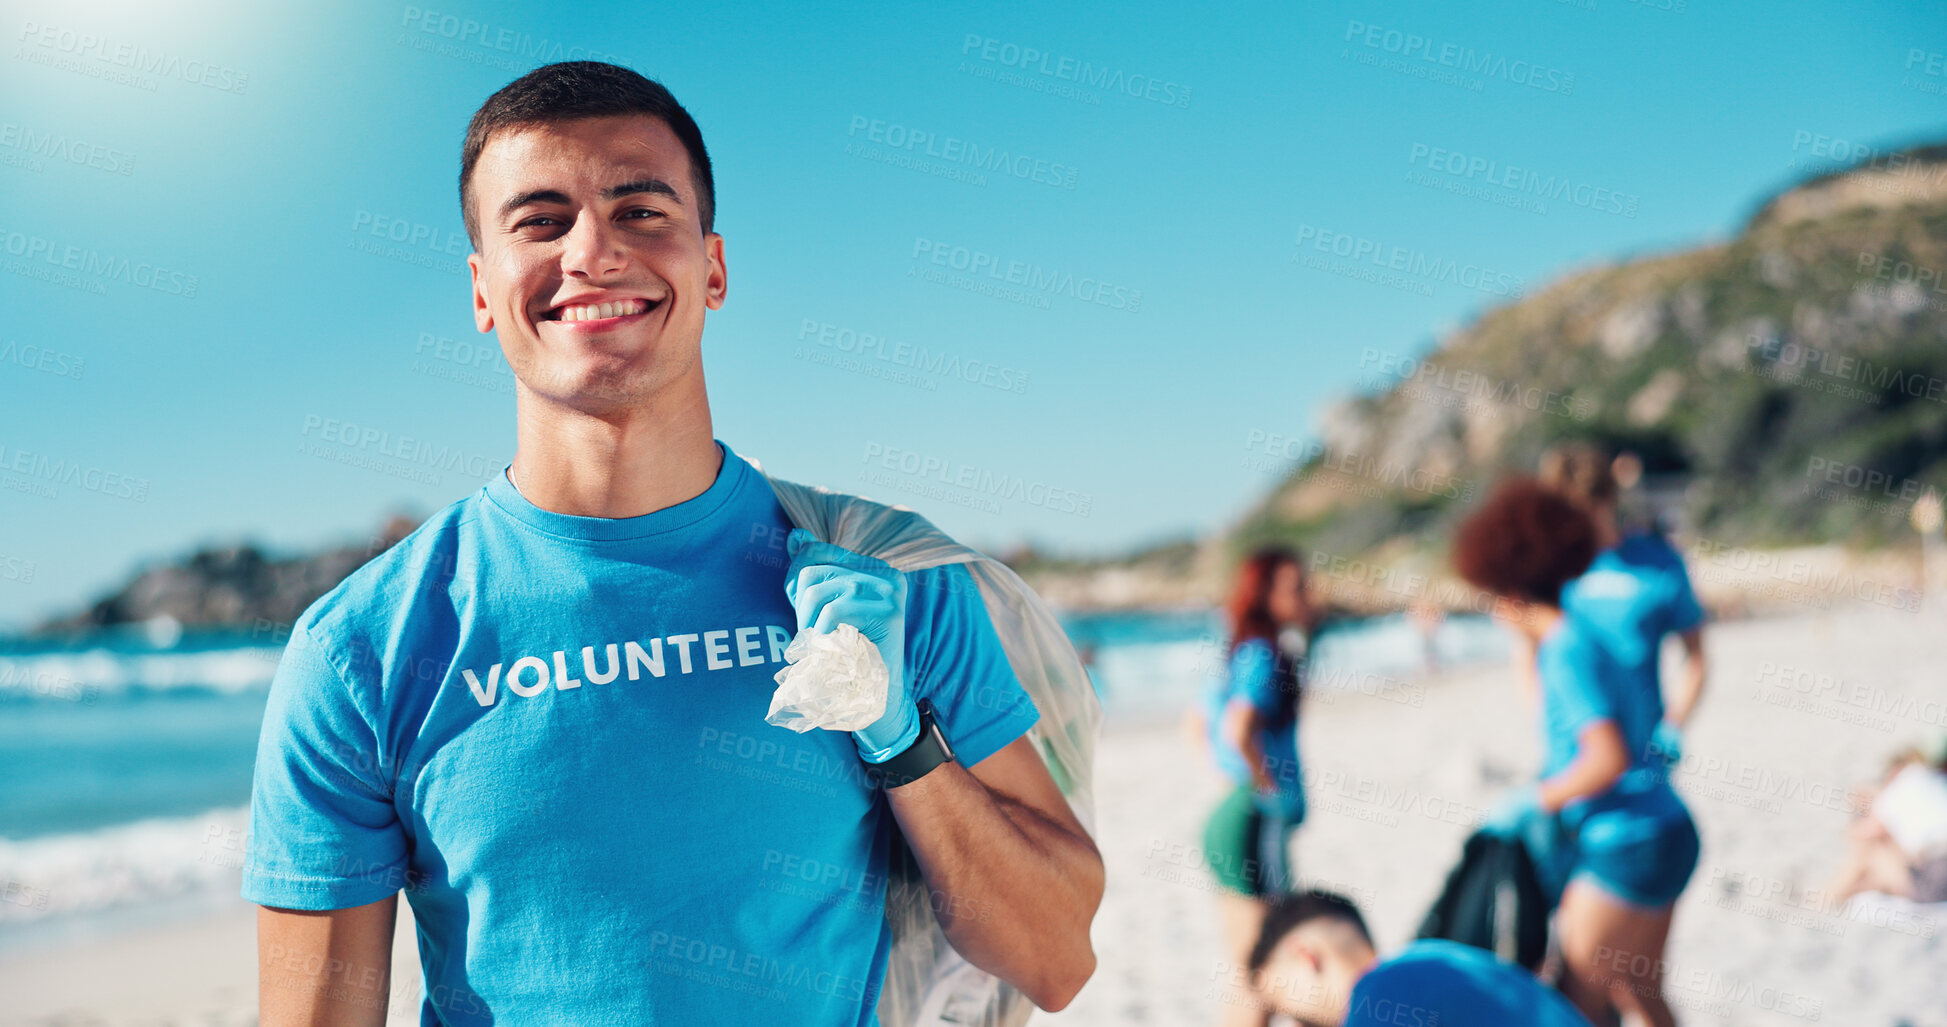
(930, 715)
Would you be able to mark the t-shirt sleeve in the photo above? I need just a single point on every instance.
(323, 831)
(957, 662)
(1682, 611)
(1252, 677)
(1572, 686)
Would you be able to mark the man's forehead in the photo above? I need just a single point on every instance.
(605, 150)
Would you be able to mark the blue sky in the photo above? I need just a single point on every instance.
(257, 213)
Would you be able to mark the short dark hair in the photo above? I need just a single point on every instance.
(1290, 912)
(573, 90)
(1525, 542)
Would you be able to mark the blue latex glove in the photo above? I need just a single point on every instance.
(1666, 745)
(1517, 808)
(829, 585)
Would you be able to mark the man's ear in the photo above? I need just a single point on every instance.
(717, 285)
(483, 317)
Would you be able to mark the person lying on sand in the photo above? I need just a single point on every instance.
(1315, 963)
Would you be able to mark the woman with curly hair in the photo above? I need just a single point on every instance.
(1634, 844)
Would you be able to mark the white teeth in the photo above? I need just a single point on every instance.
(597, 311)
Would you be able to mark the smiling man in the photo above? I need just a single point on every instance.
(542, 714)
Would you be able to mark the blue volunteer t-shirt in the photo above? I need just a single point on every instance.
(549, 730)
(1632, 595)
(1583, 682)
(1438, 983)
(1268, 680)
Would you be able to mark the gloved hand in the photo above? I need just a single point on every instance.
(1512, 814)
(829, 585)
(1666, 745)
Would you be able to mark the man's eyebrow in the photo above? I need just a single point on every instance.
(641, 185)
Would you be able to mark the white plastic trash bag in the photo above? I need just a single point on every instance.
(927, 983)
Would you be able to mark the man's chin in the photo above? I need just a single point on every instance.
(596, 385)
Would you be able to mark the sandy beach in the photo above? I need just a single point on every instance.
(1800, 709)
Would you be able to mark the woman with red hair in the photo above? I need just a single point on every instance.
(1249, 718)
(1634, 845)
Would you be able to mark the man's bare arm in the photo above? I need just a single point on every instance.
(1014, 877)
(325, 967)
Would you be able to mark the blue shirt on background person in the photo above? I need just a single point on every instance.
(549, 731)
(1438, 983)
(1268, 678)
(1633, 594)
(1635, 839)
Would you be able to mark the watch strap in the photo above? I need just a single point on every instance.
(928, 751)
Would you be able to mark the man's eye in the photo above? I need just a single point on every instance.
(537, 220)
(650, 211)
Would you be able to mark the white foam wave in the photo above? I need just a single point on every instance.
(128, 864)
(84, 673)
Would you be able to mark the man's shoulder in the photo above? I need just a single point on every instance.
(420, 566)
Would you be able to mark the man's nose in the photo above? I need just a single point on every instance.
(592, 248)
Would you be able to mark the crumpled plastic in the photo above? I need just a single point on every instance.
(835, 680)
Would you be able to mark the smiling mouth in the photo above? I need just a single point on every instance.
(600, 311)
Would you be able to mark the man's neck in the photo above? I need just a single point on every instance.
(622, 465)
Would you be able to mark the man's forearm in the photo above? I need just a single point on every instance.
(1014, 890)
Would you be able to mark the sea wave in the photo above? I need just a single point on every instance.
(83, 674)
(128, 864)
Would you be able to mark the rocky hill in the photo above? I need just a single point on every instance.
(1785, 388)
(228, 586)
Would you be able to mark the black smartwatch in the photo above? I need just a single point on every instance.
(928, 751)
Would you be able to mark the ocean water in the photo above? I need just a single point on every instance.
(125, 762)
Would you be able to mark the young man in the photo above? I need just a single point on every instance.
(542, 714)
(1315, 963)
